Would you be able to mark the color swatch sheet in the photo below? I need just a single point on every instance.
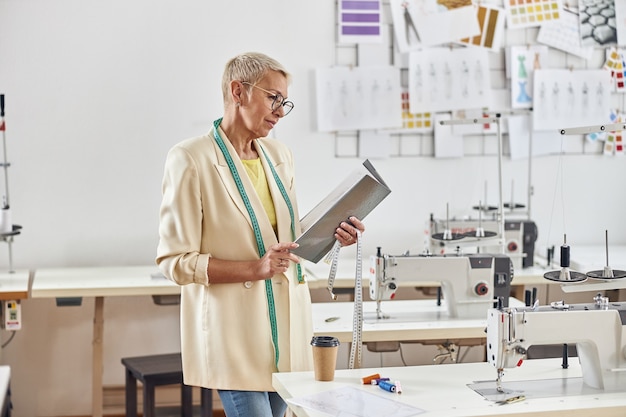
(525, 13)
(360, 21)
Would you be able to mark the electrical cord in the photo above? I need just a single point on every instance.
(9, 340)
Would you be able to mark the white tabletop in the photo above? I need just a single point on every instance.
(409, 320)
(442, 390)
(101, 282)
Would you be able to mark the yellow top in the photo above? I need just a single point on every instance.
(254, 168)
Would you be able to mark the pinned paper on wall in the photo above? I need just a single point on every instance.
(521, 133)
(360, 21)
(616, 64)
(491, 23)
(614, 140)
(614, 143)
(441, 79)
(527, 13)
(620, 21)
(358, 98)
(447, 144)
(523, 61)
(413, 122)
(597, 22)
(564, 34)
(571, 98)
(420, 23)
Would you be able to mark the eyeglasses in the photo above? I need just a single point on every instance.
(278, 100)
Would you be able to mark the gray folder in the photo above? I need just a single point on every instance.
(356, 196)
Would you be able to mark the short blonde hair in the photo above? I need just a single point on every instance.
(250, 67)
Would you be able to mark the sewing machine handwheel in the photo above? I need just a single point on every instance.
(617, 274)
(453, 236)
(556, 276)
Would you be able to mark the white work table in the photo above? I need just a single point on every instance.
(412, 320)
(442, 390)
(99, 282)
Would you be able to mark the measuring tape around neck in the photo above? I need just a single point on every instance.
(356, 350)
(269, 292)
(283, 192)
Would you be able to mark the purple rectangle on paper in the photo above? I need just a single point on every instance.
(360, 17)
(360, 5)
(360, 30)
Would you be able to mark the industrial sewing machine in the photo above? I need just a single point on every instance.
(454, 235)
(470, 284)
(598, 330)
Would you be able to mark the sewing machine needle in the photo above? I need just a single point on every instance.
(499, 381)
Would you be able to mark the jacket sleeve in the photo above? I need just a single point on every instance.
(180, 221)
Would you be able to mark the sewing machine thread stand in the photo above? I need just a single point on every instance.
(607, 272)
(565, 274)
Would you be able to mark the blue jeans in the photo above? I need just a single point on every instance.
(252, 403)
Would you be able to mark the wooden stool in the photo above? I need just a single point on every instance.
(155, 370)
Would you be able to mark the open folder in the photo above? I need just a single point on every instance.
(357, 195)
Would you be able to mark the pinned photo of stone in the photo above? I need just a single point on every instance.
(597, 22)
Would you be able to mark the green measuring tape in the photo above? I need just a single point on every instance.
(283, 192)
(257, 230)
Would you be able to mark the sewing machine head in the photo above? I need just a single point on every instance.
(597, 329)
(470, 284)
(519, 238)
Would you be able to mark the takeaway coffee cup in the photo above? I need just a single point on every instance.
(324, 357)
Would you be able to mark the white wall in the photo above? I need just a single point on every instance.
(96, 92)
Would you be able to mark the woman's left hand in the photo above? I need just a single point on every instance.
(346, 232)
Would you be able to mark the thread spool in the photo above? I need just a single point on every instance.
(565, 275)
(565, 256)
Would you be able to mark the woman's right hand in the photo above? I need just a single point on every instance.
(277, 260)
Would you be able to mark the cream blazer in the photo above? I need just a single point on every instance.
(226, 339)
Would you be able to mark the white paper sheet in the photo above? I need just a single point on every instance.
(447, 144)
(620, 21)
(353, 402)
(441, 79)
(571, 98)
(358, 98)
(544, 143)
(564, 34)
(421, 23)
